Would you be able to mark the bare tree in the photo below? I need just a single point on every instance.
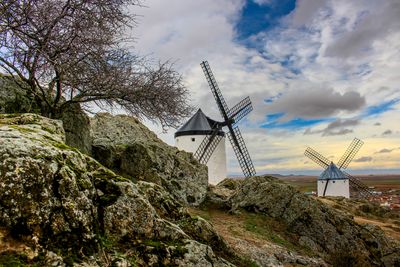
(72, 51)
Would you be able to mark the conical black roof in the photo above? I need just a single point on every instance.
(332, 172)
(198, 124)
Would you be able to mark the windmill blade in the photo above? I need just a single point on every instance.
(357, 187)
(207, 146)
(317, 157)
(222, 106)
(240, 110)
(242, 154)
(350, 153)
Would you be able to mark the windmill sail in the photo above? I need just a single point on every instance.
(240, 110)
(350, 153)
(207, 147)
(357, 187)
(317, 157)
(243, 156)
(222, 106)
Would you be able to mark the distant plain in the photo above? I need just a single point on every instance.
(384, 182)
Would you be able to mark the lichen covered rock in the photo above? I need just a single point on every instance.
(67, 207)
(126, 146)
(77, 127)
(16, 98)
(195, 227)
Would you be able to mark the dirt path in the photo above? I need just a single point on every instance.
(230, 227)
(252, 237)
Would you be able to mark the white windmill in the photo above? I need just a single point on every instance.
(334, 181)
(205, 138)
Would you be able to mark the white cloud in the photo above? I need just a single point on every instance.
(367, 26)
(306, 10)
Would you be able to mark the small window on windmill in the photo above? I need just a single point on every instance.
(333, 181)
(193, 139)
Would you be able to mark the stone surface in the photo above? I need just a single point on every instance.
(77, 128)
(318, 226)
(218, 197)
(68, 207)
(14, 99)
(196, 227)
(272, 255)
(126, 146)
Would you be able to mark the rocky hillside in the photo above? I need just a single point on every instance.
(303, 224)
(61, 207)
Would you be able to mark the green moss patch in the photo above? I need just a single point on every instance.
(22, 129)
(13, 259)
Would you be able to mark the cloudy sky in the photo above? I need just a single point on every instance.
(318, 72)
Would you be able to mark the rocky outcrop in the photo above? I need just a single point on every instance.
(126, 146)
(14, 99)
(317, 226)
(196, 227)
(218, 196)
(77, 128)
(68, 208)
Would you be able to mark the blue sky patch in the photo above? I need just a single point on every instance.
(289, 63)
(256, 18)
(381, 108)
(294, 124)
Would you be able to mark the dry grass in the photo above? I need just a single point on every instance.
(8, 244)
(390, 226)
(256, 230)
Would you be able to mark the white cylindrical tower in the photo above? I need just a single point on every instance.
(333, 182)
(189, 138)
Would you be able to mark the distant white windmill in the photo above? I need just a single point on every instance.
(334, 181)
(205, 138)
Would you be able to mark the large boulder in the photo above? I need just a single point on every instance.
(126, 146)
(67, 208)
(316, 225)
(15, 98)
